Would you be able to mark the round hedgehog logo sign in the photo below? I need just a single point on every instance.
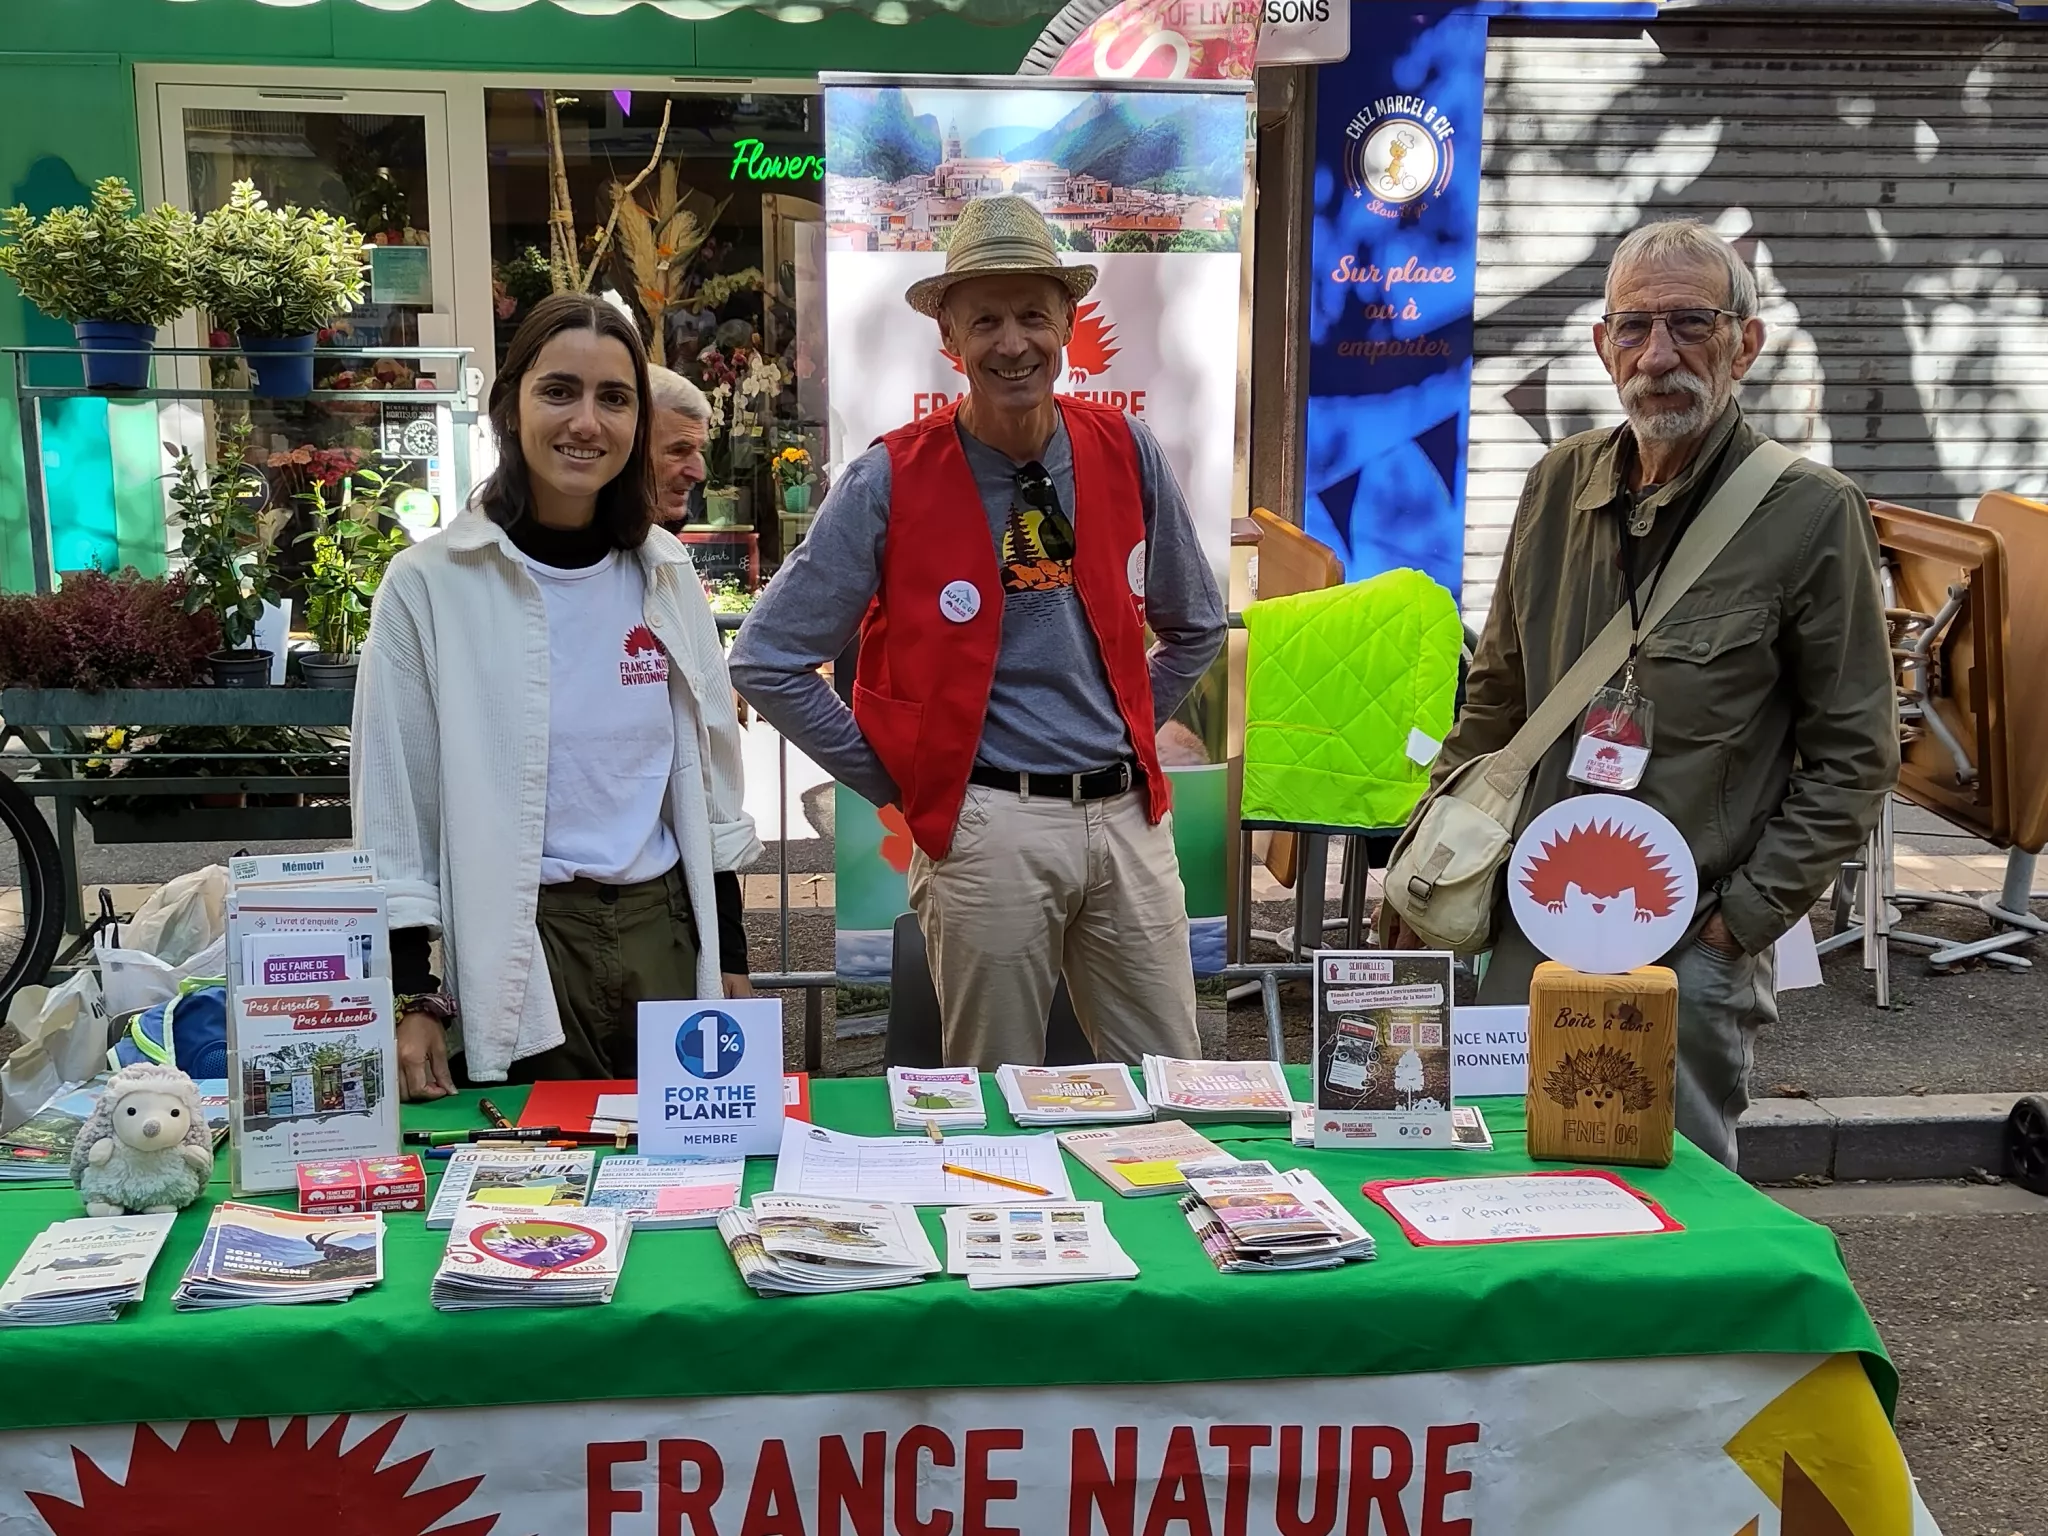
(710, 1044)
(1602, 883)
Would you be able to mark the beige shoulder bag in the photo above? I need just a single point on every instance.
(1445, 875)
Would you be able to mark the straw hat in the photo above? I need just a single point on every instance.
(995, 235)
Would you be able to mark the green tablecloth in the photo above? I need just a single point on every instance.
(1746, 1276)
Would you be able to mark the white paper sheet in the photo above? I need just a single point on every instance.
(1520, 1206)
(1490, 1052)
(911, 1170)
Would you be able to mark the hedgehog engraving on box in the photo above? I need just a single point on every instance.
(1593, 1080)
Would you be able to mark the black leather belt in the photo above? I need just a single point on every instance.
(1099, 784)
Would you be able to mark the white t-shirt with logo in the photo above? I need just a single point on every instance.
(611, 729)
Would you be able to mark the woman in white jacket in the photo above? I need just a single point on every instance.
(546, 758)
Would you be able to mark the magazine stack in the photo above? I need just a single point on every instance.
(948, 1097)
(1137, 1160)
(536, 1180)
(82, 1271)
(253, 1256)
(796, 1245)
(658, 1193)
(1253, 1218)
(1099, 1094)
(498, 1257)
(1217, 1090)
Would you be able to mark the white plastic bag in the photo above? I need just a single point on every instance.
(181, 917)
(179, 932)
(64, 1041)
(132, 979)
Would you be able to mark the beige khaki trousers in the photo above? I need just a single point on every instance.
(1035, 888)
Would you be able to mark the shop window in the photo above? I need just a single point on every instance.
(717, 254)
(372, 168)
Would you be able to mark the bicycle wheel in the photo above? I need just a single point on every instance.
(33, 923)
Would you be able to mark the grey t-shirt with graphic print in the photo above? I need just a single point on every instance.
(1050, 709)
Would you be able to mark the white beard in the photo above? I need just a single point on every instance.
(1673, 426)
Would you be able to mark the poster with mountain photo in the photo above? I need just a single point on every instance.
(1147, 183)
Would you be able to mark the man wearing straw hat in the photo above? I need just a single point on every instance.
(1000, 561)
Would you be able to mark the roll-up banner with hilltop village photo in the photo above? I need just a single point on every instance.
(1148, 183)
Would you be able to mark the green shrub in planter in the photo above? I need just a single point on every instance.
(104, 262)
(113, 275)
(228, 567)
(351, 551)
(264, 271)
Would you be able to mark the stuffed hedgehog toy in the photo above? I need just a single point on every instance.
(145, 1147)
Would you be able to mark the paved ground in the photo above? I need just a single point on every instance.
(1956, 1277)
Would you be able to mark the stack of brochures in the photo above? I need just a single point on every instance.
(506, 1258)
(40, 1147)
(1469, 1131)
(1143, 1159)
(252, 1255)
(657, 1193)
(1217, 1090)
(82, 1271)
(797, 1245)
(542, 1179)
(1253, 1217)
(1099, 1093)
(948, 1097)
(996, 1246)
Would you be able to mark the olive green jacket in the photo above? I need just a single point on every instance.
(1775, 737)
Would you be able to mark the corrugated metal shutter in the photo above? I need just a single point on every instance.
(1889, 184)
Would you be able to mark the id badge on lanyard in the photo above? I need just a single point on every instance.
(1613, 749)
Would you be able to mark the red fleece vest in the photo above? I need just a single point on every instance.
(922, 690)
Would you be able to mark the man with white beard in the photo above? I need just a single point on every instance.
(1772, 735)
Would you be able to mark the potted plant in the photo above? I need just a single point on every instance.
(350, 554)
(276, 277)
(793, 479)
(98, 631)
(113, 275)
(228, 567)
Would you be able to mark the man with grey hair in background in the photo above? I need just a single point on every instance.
(681, 420)
(1772, 736)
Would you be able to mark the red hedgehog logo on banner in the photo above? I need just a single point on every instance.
(1602, 883)
(1092, 346)
(310, 1488)
(1598, 867)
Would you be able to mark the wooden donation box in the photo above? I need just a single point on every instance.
(1603, 1065)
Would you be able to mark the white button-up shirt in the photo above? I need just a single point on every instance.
(449, 765)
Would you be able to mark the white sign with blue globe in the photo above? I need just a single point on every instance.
(711, 1078)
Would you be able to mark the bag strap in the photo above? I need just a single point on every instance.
(1718, 523)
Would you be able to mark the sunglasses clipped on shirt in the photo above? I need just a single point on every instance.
(1687, 327)
(1035, 487)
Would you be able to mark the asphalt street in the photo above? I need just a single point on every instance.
(1956, 1277)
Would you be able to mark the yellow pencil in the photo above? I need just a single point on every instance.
(995, 1178)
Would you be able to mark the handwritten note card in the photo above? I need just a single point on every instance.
(1581, 1203)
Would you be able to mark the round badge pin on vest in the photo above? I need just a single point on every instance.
(1134, 569)
(959, 601)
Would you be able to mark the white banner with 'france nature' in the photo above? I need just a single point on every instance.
(1738, 1445)
(1147, 184)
